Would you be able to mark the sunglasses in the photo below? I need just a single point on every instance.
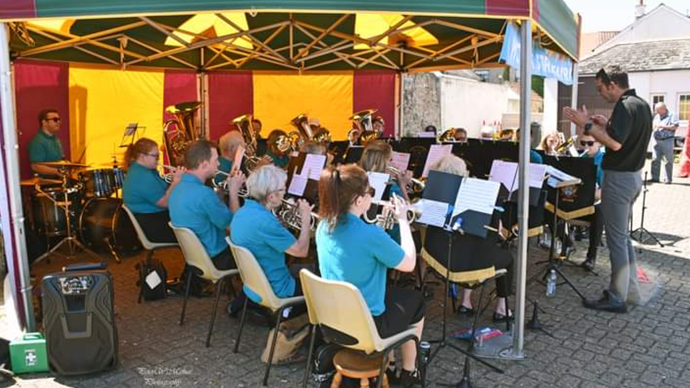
(55, 119)
(587, 143)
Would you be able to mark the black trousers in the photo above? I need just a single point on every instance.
(155, 226)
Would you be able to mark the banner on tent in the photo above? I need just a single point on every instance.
(545, 63)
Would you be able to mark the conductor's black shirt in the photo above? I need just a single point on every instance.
(631, 126)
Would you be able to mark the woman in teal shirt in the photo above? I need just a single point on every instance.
(145, 193)
(353, 251)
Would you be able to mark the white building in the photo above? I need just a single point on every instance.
(655, 51)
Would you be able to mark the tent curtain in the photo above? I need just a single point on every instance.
(179, 86)
(279, 98)
(38, 86)
(103, 103)
(230, 95)
(376, 90)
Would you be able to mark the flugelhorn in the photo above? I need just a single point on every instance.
(414, 186)
(288, 213)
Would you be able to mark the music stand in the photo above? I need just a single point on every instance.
(130, 134)
(642, 231)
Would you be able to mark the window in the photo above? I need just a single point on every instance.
(656, 98)
(684, 107)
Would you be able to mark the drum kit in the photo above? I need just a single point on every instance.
(86, 212)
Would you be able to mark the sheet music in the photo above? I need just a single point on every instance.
(436, 152)
(536, 175)
(426, 135)
(504, 173)
(558, 178)
(313, 165)
(433, 212)
(297, 185)
(477, 195)
(378, 181)
(400, 160)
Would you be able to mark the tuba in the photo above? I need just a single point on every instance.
(181, 130)
(363, 122)
(303, 133)
(244, 125)
(447, 135)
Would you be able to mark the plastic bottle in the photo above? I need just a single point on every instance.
(551, 284)
(425, 352)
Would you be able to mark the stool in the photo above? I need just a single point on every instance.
(357, 365)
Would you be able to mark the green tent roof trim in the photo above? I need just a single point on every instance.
(293, 35)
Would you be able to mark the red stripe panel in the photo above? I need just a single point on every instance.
(507, 7)
(18, 9)
(535, 10)
(40, 85)
(230, 94)
(178, 86)
(375, 89)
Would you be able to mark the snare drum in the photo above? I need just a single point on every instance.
(103, 224)
(100, 183)
(49, 212)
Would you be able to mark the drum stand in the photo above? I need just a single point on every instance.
(72, 242)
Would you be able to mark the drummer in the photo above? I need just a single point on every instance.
(45, 146)
(145, 193)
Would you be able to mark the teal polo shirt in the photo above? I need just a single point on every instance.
(279, 161)
(254, 227)
(142, 189)
(360, 254)
(45, 148)
(225, 165)
(195, 206)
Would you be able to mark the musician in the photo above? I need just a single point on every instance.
(550, 143)
(625, 135)
(229, 144)
(256, 228)
(353, 251)
(316, 148)
(353, 137)
(378, 126)
(460, 135)
(375, 159)
(145, 193)
(45, 146)
(195, 206)
(592, 149)
(470, 252)
(279, 158)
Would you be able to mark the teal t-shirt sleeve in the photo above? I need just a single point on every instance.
(219, 214)
(276, 236)
(383, 247)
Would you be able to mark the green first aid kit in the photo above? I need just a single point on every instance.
(28, 354)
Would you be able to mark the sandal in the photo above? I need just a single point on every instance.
(502, 318)
(465, 310)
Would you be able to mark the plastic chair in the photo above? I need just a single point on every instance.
(327, 302)
(258, 289)
(199, 263)
(150, 246)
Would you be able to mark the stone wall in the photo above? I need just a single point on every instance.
(421, 102)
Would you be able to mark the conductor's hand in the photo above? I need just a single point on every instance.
(599, 120)
(235, 181)
(578, 117)
(400, 207)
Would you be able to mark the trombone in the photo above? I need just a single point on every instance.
(415, 185)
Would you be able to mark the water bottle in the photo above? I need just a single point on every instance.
(551, 284)
(425, 353)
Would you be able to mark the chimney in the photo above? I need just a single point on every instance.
(639, 10)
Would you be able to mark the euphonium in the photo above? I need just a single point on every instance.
(288, 213)
(177, 139)
(363, 122)
(303, 133)
(415, 185)
(244, 125)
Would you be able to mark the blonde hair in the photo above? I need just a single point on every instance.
(312, 147)
(230, 141)
(376, 156)
(265, 180)
(544, 140)
(450, 164)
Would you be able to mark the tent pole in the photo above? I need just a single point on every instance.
(16, 250)
(401, 106)
(573, 96)
(523, 197)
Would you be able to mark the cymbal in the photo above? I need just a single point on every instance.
(40, 181)
(63, 164)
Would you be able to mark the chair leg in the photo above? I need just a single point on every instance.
(186, 295)
(213, 313)
(239, 332)
(273, 345)
(507, 315)
(382, 369)
(312, 329)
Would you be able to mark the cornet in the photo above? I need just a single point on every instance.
(415, 185)
(387, 219)
(169, 176)
(288, 213)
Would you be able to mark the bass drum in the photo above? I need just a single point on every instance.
(105, 227)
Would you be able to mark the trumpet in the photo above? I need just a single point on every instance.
(387, 219)
(414, 186)
(289, 215)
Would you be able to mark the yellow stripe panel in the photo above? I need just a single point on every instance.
(278, 98)
(104, 102)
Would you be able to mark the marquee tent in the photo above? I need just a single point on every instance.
(297, 36)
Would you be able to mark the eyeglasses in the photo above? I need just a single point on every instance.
(154, 155)
(55, 119)
(587, 143)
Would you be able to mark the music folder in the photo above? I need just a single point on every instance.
(353, 154)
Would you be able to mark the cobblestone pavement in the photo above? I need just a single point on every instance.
(648, 347)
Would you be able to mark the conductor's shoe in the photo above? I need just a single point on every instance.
(606, 303)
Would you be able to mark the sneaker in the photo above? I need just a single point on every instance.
(410, 379)
(606, 303)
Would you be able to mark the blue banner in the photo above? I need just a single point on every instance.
(545, 63)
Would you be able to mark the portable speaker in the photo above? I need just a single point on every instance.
(79, 320)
